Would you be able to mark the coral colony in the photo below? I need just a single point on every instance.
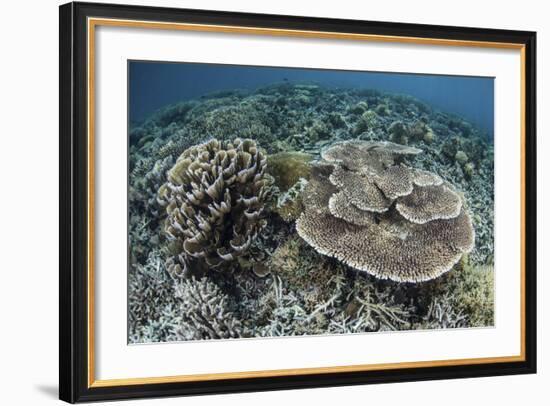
(299, 210)
(214, 200)
(388, 220)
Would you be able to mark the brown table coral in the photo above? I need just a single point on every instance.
(381, 217)
(214, 199)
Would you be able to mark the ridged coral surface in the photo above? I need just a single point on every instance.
(377, 221)
(214, 198)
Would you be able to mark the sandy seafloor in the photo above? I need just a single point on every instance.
(295, 290)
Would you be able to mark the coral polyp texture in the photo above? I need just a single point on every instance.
(379, 216)
(214, 198)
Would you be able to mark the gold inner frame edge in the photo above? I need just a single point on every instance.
(92, 23)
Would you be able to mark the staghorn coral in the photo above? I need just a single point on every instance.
(324, 297)
(459, 299)
(374, 305)
(398, 231)
(174, 147)
(141, 167)
(295, 263)
(443, 314)
(214, 198)
(151, 310)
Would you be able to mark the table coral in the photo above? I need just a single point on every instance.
(364, 210)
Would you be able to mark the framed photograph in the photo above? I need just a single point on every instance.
(257, 202)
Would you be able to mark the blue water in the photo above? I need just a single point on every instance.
(153, 85)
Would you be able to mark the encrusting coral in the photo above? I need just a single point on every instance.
(386, 219)
(288, 167)
(214, 198)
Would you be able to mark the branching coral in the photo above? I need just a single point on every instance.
(460, 299)
(205, 312)
(243, 119)
(214, 199)
(372, 214)
(372, 305)
(151, 310)
(143, 192)
(366, 155)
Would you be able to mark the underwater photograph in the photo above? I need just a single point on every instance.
(275, 202)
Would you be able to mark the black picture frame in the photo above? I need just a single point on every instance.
(74, 385)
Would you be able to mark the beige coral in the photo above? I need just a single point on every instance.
(422, 231)
(429, 203)
(395, 181)
(214, 198)
(339, 207)
(360, 189)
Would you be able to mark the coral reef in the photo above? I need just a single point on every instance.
(280, 285)
(214, 198)
(365, 211)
